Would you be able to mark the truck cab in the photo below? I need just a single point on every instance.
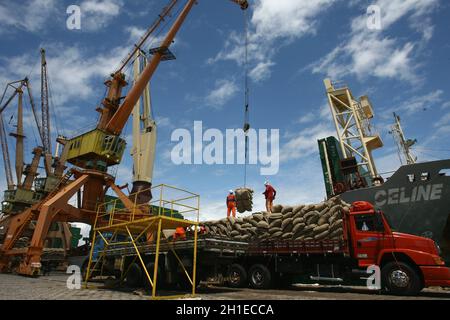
(408, 263)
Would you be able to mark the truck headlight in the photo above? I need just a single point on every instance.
(439, 251)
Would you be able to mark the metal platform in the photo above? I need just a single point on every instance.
(144, 226)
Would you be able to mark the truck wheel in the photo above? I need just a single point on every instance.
(260, 277)
(400, 279)
(284, 282)
(84, 271)
(134, 276)
(184, 283)
(150, 269)
(237, 277)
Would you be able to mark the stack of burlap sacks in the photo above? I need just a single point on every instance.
(244, 200)
(300, 223)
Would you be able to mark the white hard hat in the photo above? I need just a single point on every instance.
(231, 191)
(266, 183)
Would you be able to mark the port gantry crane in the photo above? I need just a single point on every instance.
(91, 154)
(19, 195)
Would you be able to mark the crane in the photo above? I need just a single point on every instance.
(19, 195)
(19, 135)
(45, 113)
(91, 154)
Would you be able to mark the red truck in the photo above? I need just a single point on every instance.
(407, 263)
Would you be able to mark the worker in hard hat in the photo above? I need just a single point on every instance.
(231, 204)
(270, 194)
(180, 234)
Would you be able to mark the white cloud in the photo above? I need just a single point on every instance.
(373, 53)
(443, 121)
(307, 118)
(223, 91)
(287, 18)
(262, 71)
(304, 143)
(136, 33)
(446, 105)
(273, 24)
(164, 122)
(97, 14)
(31, 15)
(71, 69)
(415, 104)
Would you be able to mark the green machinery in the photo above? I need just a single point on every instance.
(330, 157)
(106, 149)
(340, 174)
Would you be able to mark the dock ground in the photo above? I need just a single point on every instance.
(54, 287)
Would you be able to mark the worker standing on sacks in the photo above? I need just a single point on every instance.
(231, 204)
(270, 195)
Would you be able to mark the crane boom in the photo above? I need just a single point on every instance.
(166, 11)
(33, 109)
(119, 119)
(19, 135)
(45, 115)
(6, 158)
(44, 104)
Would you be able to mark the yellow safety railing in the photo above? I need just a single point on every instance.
(167, 201)
(169, 207)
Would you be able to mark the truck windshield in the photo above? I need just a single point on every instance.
(387, 220)
(369, 223)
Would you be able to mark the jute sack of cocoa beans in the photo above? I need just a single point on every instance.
(244, 199)
(314, 222)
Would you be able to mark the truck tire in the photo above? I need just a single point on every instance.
(260, 277)
(84, 268)
(399, 278)
(237, 277)
(184, 283)
(134, 276)
(161, 277)
(284, 282)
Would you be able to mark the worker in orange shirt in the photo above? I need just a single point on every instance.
(231, 204)
(180, 234)
(270, 194)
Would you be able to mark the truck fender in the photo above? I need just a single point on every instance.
(419, 258)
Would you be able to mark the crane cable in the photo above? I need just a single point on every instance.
(247, 96)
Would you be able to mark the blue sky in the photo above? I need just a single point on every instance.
(294, 45)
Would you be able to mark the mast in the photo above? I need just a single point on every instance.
(144, 138)
(404, 145)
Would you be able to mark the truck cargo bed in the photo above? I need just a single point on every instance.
(221, 246)
(232, 247)
(298, 247)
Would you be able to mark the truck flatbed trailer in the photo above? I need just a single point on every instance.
(219, 246)
(407, 263)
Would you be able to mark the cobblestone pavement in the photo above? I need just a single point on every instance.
(54, 287)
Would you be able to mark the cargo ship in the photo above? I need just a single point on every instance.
(415, 198)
